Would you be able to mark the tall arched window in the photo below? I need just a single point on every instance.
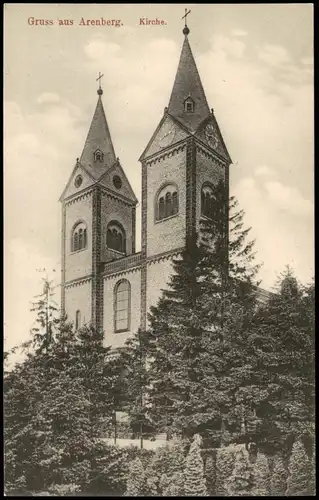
(167, 202)
(122, 306)
(78, 319)
(79, 237)
(115, 237)
(207, 200)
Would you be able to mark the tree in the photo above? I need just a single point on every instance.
(261, 476)
(198, 332)
(136, 482)
(194, 477)
(300, 472)
(282, 347)
(278, 479)
(241, 481)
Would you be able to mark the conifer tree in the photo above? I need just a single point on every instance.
(198, 331)
(194, 477)
(282, 347)
(299, 478)
(261, 476)
(136, 482)
(241, 481)
(278, 479)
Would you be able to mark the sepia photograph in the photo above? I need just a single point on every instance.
(159, 291)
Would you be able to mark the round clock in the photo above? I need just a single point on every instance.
(117, 182)
(211, 136)
(167, 134)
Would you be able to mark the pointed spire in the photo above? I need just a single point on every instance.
(188, 86)
(98, 153)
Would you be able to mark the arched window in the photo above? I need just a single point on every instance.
(189, 105)
(122, 306)
(98, 155)
(78, 319)
(207, 201)
(167, 202)
(79, 237)
(115, 237)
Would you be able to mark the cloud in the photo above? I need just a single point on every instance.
(263, 170)
(48, 97)
(239, 32)
(274, 54)
(288, 198)
(229, 46)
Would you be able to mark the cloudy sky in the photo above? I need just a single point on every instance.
(256, 65)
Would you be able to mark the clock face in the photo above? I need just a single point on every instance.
(211, 136)
(167, 135)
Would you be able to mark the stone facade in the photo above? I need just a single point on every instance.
(186, 151)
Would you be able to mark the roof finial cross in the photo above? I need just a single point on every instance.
(100, 91)
(99, 79)
(186, 29)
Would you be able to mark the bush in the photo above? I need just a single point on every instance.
(241, 481)
(261, 476)
(175, 485)
(278, 479)
(195, 483)
(225, 460)
(299, 479)
(166, 462)
(210, 472)
(136, 482)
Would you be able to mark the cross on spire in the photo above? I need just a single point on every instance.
(100, 91)
(186, 29)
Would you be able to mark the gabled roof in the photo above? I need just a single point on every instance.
(188, 84)
(98, 138)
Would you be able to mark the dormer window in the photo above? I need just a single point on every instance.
(98, 155)
(189, 105)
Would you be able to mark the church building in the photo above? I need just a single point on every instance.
(104, 280)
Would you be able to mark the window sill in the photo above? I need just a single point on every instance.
(77, 251)
(121, 331)
(157, 221)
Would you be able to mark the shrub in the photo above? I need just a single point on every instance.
(241, 481)
(166, 461)
(278, 479)
(225, 460)
(299, 479)
(195, 483)
(62, 490)
(175, 486)
(136, 482)
(261, 476)
(210, 473)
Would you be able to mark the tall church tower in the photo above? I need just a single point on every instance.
(182, 162)
(98, 223)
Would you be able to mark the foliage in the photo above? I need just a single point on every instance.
(300, 472)
(282, 352)
(194, 478)
(261, 476)
(210, 473)
(225, 460)
(241, 481)
(136, 482)
(195, 344)
(278, 479)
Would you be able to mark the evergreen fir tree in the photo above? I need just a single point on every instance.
(195, 483)
(225, 461)
(278, 479)
(198, 332)
(136, 482)
(175, 486)
(299, 479)
(261, 476)
(282, 347)
(241, 481)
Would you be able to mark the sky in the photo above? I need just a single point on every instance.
(256, 66)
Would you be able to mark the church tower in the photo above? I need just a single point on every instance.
(98, 223)
(182, 162)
